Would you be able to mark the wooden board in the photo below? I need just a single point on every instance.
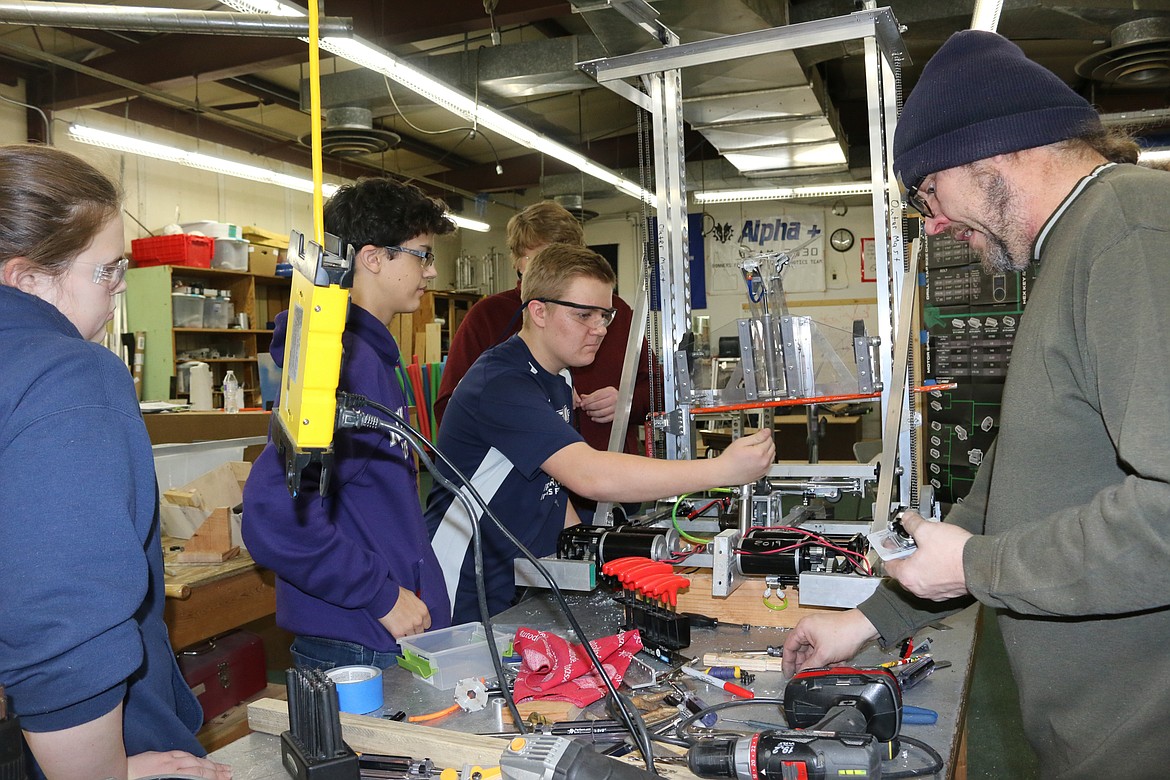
(446, 747)
(744, 606)
(749, 663)
(375, 735)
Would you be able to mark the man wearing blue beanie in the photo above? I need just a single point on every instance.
(1066, 530)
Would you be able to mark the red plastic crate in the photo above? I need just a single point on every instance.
(179, 249)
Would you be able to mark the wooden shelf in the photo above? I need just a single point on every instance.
(228, 331)
(448, 306)
(149, 310)
(216, 360)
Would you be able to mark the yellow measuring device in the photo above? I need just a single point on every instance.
(304, 423)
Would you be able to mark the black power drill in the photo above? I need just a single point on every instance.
(839, 718)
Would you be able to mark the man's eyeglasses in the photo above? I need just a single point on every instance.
(426, 258)
(109, 275)
(590, 316)
(917, 198)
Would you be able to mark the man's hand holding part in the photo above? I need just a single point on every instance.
(825, 639)
(409, 616)
(935, 570)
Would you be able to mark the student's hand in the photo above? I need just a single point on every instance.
(410, 616)
(600, 405)
(748, 458)
(824, 639)
(935, 570)
(175, 762)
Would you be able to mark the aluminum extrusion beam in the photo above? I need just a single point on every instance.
(82, 16)
(880, 23)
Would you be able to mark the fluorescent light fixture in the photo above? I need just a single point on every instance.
(1154, 155)
(205, 162)
(378, 60)
(783, 193)
(469, 224)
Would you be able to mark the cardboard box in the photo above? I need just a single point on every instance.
(263, 259)
(258, 235)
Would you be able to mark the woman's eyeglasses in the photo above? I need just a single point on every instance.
(109, 275)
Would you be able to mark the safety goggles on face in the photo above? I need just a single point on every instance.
(917, 196)
(427, 259)
(590, 316)
(109, 275)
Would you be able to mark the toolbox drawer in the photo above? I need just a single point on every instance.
(224, 671)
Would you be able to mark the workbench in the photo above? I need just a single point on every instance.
(207, 599)
(257, 756)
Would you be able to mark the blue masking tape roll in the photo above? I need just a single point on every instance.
(359, 688)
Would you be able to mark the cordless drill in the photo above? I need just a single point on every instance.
(838, 717)
(557, 758)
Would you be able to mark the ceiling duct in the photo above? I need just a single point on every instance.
(350, 132)
(1138, 56)
(575, 205)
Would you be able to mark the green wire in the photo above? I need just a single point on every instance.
(681, 532)
(774, 608)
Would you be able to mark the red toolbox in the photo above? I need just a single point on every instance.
(179, 249)
(224, 671)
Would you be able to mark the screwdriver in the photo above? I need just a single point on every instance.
(726, 685)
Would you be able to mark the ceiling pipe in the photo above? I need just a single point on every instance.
(167, 20)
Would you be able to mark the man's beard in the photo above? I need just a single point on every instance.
(1009, 247)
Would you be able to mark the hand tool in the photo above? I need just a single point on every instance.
(848, 712)
(730, 687)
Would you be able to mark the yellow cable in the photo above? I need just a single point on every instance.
(771, 606)
(315, 120)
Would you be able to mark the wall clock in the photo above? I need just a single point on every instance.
(841, 240)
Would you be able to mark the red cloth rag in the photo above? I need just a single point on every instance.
(551, 668)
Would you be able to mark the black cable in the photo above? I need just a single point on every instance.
(934, 768)
(680, 729)
(353, 402)
(373, 421)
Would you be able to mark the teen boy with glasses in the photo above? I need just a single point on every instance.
(509, 428)
(355, 571)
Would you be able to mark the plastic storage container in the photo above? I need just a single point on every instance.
(187, 310)
(218, 312)
(179, 249)
(213, 229)
(231, 254)
(444, 657)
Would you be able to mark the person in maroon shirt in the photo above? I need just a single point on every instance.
(494, 319)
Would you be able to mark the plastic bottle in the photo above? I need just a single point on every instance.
(231, 391)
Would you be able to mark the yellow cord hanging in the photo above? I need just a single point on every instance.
(315, 120)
